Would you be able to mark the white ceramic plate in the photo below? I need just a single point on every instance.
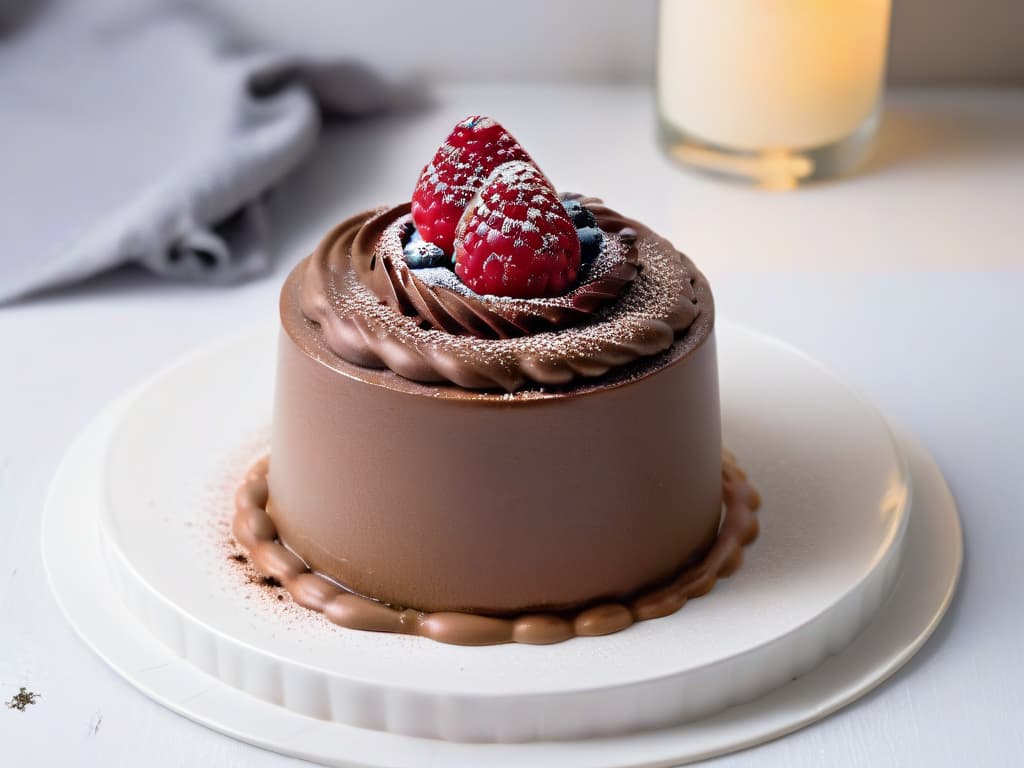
(82, 587)
(832, 532)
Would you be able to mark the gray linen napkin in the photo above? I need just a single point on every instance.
(133, 132)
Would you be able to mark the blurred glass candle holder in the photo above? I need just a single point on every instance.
(774, 92)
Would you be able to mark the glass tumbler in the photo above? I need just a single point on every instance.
(773, 92)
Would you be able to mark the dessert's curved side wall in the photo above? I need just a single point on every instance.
(495, 505)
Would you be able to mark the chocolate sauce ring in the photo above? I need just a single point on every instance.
(254, 530)
(377, 258)
(669, 300)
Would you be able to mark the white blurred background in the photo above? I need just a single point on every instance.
(933, 41)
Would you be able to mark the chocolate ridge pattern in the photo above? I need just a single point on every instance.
(668, 299)
(254, 530)
(377, 257)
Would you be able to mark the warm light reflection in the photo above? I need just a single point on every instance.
(774, 169)
(895, 498)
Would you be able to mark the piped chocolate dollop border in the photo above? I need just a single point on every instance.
(254, 530)
(667, 301)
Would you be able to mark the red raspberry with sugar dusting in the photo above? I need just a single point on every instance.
(472, 150)
(515, 238)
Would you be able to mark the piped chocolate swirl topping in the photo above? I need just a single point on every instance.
(378, 260)
(371, 310)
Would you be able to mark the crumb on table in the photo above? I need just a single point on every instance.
(22, 699)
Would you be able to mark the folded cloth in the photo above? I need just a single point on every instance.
(132, 131)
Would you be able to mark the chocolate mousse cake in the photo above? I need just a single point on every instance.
(496, 416)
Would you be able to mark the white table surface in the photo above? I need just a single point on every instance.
(907, 279)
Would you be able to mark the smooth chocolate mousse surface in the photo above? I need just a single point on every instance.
(439, 497)
(256, 532)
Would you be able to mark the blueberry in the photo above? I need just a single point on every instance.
(590, 242)
(414, 236)
(581, 217)
(420, 254)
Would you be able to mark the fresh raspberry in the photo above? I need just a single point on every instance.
(474, 148)
(515, 238)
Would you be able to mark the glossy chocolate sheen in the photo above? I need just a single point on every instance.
(445, 499)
